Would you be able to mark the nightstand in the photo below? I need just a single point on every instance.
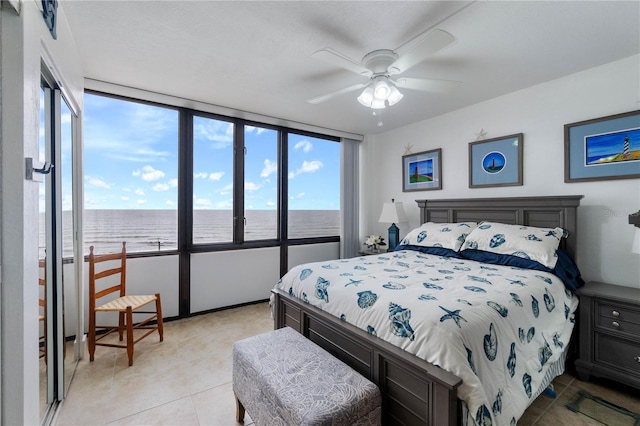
(609, 324)
(367, 252)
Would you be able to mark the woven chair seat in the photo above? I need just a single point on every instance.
(121, 303)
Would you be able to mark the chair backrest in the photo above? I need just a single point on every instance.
(98, 271)
(42, 282)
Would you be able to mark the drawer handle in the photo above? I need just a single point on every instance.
(615, 324)
(637, 358)
(615, 313)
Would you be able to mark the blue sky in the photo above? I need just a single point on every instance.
(131, 162)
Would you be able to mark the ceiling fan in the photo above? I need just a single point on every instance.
(380, 65)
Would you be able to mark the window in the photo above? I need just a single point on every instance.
(130, 175)
(213, 147)
(260, 183)
(314, 187)
(233, 187)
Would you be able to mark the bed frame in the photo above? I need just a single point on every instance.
(415, 392)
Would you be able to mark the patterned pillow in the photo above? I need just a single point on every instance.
(445, 235)
(529, 242)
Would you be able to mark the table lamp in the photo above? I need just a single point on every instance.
(393, 213)
(634, 219)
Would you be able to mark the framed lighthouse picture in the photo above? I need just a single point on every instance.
(603, 148)
(422, 171)
(496, 162)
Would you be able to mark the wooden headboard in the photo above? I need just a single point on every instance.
(544, 212)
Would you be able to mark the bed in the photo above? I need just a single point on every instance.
(471, 340)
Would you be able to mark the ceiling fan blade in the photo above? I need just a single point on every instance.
(420, 48)
(334, 57)
(328, 96)
(427, 84)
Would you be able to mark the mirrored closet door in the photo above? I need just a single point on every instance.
(57, 242)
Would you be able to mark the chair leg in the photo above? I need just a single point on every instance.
(159, 319)
(121, 324)
(92, 335)
(130, 335)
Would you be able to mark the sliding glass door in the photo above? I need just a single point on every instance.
(56, 242)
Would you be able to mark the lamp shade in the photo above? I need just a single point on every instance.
(635, 248)
(392, 213)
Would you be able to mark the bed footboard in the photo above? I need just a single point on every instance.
(414, 392)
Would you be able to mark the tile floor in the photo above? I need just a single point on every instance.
(186, 380)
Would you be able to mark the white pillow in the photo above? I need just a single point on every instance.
(528, 242)
(444, 235)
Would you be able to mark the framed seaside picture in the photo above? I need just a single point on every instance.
(496, 162)
(603, 148)
(422, 171)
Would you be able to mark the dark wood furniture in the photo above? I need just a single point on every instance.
(415, 392)
(609, 333)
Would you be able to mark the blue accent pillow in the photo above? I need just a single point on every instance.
(438, 251)
(565, 268)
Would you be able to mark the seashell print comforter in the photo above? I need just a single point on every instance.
(499, 328)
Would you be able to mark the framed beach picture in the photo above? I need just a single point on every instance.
(422, 171)
(603, 148)
(496, 162)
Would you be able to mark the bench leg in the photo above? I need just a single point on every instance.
(239, 411)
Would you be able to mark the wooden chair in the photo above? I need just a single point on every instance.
(42, 306)
(125, 305)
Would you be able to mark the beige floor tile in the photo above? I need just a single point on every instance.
(208, 372)
(217, 407)
(179, 412)
(186, 379)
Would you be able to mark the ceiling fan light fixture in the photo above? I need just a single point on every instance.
(381, 89)
(366, 97)
(377, 104)
(394, 95)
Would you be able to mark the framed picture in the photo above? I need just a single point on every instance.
(603, 148)
(422, 171)
(496, 162)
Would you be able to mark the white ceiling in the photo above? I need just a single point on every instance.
(255, 56)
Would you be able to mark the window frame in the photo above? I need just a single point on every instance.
(185, 183)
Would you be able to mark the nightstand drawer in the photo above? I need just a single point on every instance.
(618, 317)
(620, 354)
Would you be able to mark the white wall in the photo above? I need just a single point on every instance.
(24, 41)
(540, 112)
(312, 253)
(227, 278)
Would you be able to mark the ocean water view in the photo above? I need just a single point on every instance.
(157, 230)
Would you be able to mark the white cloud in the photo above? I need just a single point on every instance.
(139, 192)
(271, 203)
(126, 189)
(304, 144)
(170, 203)
(216, 176)
(201, 175)
(201, 203)
(250, 186)
(142, 202)
(124, 198)
(270, 167)
(297, 197)
(258, 130)
(307, 167)
(173, 183)
(99, 183)
(149, 174)
(226, 189)
(159, 187)
(220, 133)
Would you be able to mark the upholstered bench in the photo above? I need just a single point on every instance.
(282, 378)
